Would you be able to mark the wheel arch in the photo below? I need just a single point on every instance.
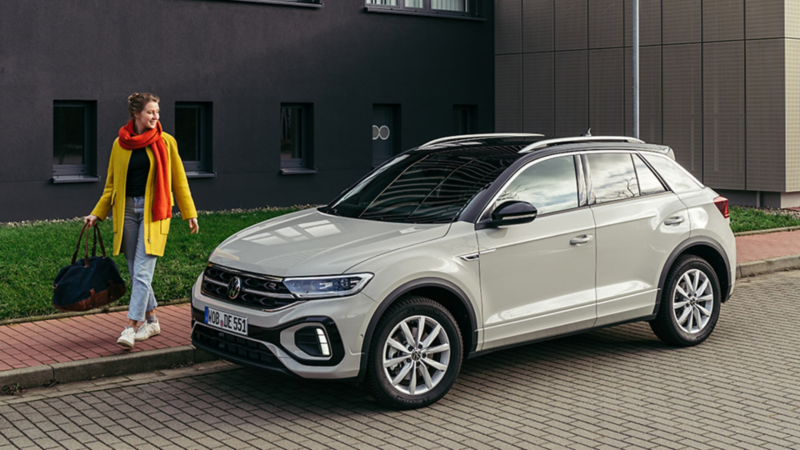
(708, 249)
(441, 291)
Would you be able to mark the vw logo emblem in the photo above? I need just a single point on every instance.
(234, 287)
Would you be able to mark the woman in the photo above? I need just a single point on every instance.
(143, 174)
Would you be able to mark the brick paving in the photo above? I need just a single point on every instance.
(766, 246)
(616, 388)
(92, 336)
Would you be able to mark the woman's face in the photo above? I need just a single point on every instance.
(147, 119)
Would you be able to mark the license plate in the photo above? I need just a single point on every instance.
(227, 322)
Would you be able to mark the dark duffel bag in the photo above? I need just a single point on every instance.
(87, 283)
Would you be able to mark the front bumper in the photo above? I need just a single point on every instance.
(271, 344)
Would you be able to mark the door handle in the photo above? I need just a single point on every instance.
(580, 240)
(676, 220)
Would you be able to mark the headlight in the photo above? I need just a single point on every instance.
(324, 287)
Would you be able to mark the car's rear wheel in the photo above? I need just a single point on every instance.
(690, 303)
(415, 355)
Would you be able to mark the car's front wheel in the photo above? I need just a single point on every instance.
(690, 303)
(415, 355)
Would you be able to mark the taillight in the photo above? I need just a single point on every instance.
(722, 206)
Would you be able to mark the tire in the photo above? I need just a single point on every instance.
(686, 317)
(404, 384)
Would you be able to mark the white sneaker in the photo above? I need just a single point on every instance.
(147, 330)
(126, 339)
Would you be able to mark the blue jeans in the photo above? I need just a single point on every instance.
(140, 265)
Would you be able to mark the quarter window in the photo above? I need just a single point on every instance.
(74, 140)
(678, 179)
(612, 177)
(648, 181)
(549, 185)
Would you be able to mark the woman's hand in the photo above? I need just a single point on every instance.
(91, 219)
(194, 226)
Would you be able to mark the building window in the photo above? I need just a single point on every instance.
(74, 139)
(193, 133)
(465, 119)
(385, 133)
(296, 136)
(453, 7)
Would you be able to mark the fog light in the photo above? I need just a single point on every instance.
(313, 341)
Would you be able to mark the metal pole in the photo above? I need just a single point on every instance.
(636, 69)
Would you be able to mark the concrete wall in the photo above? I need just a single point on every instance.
(719, 81)
(245, 58)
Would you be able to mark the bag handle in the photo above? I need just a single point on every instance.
(98, 237)
(85, 246)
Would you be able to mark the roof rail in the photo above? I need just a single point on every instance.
(478, 136)
(578, 139)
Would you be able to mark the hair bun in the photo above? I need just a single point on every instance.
(132, 96)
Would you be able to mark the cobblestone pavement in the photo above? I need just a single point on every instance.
(608, 389)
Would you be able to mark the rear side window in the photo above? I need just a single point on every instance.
(612, 176)
(678, 179)
(549, 185)
(648, 181)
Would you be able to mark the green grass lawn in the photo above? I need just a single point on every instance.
(751, 219)
(31, 255)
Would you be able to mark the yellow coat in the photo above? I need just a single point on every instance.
(155, 233)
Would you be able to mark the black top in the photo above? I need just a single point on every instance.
(138, 168)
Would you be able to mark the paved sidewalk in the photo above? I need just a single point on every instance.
(84, 347)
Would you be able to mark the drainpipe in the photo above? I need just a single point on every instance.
(636, 69)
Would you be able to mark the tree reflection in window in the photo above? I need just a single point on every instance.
(613, 177)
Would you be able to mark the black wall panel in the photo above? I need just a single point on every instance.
(724, 122)
(765, 18)
(723, 20)
(606, 92)
(571, 26)
(508, 32)
(537, 26)
(766, 115)
(649, 94)
(572, 96)
(605, 24)
(245, 58)
(683, 105)
(681, 21)
(539, 93)
(508, 93)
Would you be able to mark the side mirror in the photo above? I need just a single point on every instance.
(512, 212)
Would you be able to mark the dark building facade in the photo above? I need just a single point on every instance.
(273, 102)
(719, 82)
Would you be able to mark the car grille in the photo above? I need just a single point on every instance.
(254, 352)
(257, 291)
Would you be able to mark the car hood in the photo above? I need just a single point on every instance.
(310, 242)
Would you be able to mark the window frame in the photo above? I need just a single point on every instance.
(295, 3)
(86, 172)
(202, 167)
(580, 181)
(475, 11)
(304, 165)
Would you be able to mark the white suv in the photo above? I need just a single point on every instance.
(467, 245)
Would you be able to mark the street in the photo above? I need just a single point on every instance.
(609, 389)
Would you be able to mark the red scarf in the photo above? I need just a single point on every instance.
(129, 140)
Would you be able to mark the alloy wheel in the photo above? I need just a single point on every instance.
(693, 301)
(416, 355)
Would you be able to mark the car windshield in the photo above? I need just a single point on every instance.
(425, 186)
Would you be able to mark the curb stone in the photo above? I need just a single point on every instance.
(765, 266)
(107, 366)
